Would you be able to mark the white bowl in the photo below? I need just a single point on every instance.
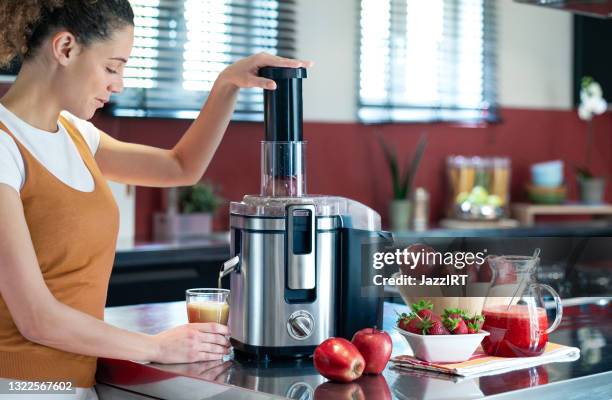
(547, 174)
(443, 348)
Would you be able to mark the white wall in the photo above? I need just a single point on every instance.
(326, 34)
(125, 196)
(534, 57)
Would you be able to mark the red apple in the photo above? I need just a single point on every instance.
(374, 387)
(469, 268)
(339, 391)
(425, 265)
(485, 273)
(375, 346)
(339, 360)
(472, 271)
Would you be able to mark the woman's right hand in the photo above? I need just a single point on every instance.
(192, 343)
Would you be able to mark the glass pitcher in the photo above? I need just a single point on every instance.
(515, 311)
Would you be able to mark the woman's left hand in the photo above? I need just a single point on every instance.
(243, 73)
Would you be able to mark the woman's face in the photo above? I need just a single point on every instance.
(97, 73)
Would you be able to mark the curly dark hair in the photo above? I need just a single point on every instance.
(24, 24)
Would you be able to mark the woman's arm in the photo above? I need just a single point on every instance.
(41, 318)
(186, 162)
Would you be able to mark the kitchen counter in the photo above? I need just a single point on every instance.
(210, 247)
(558, 229)
(216, 246)
(587, 324)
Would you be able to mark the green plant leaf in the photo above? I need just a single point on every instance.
(413, 166)
(391, 157)
(402, 183)
(583, 172)
(201, 197)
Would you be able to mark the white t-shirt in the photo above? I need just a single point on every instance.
(54, 150)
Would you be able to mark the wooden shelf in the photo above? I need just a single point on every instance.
(450, 223)
(525, 213)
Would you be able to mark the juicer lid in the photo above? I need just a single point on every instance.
(352, 213)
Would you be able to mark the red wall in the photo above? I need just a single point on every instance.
(345, 158)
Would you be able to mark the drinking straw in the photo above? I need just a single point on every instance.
(536, 253)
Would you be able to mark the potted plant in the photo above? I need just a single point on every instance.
(591, 187)
(196, 207)
(401, 205)
(201, 198)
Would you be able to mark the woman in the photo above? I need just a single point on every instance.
(59, 221)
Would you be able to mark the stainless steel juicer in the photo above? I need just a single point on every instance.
(298, 274)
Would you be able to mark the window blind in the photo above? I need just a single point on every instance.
(424, 61)
(180, 46)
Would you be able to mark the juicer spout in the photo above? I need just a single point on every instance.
(231, 265)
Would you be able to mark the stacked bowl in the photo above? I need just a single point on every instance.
(546, 185)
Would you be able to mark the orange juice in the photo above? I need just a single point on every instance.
(208, 311)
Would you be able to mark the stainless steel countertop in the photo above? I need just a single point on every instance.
(587, 324)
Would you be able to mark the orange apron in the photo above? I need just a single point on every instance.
(74, 235)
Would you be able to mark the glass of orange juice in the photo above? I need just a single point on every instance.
(207, 305)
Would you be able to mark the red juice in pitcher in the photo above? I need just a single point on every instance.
(515, 331)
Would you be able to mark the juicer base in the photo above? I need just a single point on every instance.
(248, 352)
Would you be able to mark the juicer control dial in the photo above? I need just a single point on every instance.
(300, 325)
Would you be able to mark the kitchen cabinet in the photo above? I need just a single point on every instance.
(158, 272)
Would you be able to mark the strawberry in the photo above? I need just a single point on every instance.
(472, 328)
(432, 327)
(454, 313)
(424, 309)
(409, 322)
(475, 323)
(402, 320)
(456, 326)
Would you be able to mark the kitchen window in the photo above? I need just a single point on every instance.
(180, 46)
(427, 61)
